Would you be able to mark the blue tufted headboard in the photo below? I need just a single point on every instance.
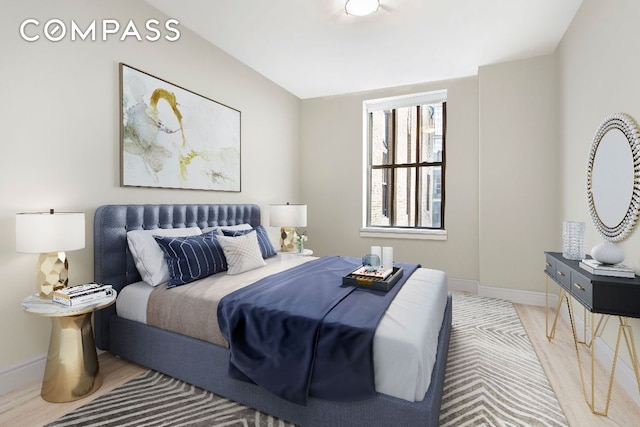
(113, 263)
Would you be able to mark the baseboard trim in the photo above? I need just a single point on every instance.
(24, 373)
(515, 295)
(463, 285)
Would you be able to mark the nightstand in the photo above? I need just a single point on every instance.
(72, 371)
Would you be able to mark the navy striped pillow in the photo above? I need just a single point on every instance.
(266, 248)
(192, 257)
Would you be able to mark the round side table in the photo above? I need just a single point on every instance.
(72, 370)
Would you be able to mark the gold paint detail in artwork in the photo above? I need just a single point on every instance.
(146, 125)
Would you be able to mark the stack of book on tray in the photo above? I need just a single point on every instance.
(82, 294)
(614, 270)
(377, 274)
(378, 279)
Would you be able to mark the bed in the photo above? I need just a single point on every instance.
(205, 364)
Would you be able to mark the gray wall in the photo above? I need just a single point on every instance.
(332, 143)
(501, 176)
(519, 172)
(60, 129)
(599, 76)
(519, 135)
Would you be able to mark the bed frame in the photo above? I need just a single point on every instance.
(204, 364)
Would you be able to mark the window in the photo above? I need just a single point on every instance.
(405, 163)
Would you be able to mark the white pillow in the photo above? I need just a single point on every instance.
(148, 256)
(242, 252)
(219, 228)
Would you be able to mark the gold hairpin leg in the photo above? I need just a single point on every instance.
(575, 343)
(624, 329)
(586, 326)
(627, 331)
(551, 334)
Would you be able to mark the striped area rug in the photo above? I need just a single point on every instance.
(493, 375)
(493, 378)
(154, 399)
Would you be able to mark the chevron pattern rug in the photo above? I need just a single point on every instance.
(493, 378)
(493, 375)
(154, 399)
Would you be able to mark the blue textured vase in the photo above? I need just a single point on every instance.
(371, 261)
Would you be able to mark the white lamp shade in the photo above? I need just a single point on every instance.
(288, 215)
(361, 7)
(44, 232)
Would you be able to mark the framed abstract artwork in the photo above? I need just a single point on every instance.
(171, 137)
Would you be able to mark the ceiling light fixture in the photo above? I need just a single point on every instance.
(361, 7)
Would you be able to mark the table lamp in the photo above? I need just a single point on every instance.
(288, 217)
(50, 234)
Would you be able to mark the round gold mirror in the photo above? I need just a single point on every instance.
(613, 177)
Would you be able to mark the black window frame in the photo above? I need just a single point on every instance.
(392, 166)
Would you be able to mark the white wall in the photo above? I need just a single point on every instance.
(59, 117)
(519, 172)
(599, 76)
(502, 192)
(518, 141)
(332, 179)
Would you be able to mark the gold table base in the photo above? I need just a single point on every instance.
(72, 370)
(624, 329)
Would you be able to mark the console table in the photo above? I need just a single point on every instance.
(603, 295)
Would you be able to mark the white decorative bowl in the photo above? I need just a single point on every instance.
(607, 253)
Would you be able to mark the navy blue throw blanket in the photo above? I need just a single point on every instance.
(301, 332)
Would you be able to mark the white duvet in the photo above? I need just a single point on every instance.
(405, 343)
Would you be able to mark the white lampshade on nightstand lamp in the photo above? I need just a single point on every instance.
(50, 234)
(288, 217)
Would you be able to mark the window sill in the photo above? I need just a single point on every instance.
(403, 233)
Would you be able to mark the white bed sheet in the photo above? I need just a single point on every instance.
(406, 340)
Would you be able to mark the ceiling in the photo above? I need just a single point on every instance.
(312, 48)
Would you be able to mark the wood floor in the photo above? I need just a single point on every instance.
(25, 407)
(558, 358)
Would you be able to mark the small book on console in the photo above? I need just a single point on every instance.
(612, 270)
(82, 294)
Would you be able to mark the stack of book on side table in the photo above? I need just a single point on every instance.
(613, 270)
(82, 294)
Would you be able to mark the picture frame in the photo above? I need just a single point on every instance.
(171, 137)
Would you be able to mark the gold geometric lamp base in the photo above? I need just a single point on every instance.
(288, 239)
(288, 217)
(52, 273)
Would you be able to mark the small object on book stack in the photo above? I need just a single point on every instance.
(82, 294)
(613, 270)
